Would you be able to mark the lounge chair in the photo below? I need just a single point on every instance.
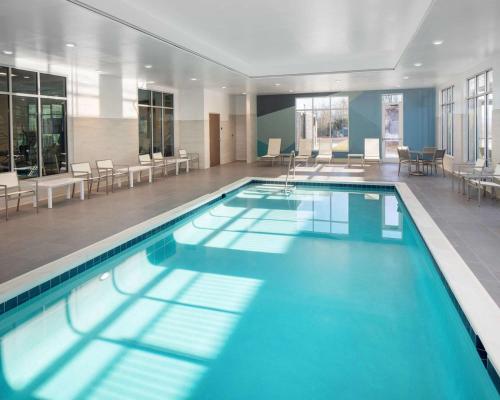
(10, 186)
(183, 154)
(84, 170)
(465, 170)
(325, 153)
(305, 151)
(106, 168)
(273, 150)
(483, 181)
(372, 150)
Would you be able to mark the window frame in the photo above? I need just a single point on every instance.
(162, 107)
(447, 111)
(38, 96)
(488, 90)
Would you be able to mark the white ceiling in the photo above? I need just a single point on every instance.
(252, 46)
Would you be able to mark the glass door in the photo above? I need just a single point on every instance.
(392, 126)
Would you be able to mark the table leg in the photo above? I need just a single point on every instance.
(68, 191)
(151, 175)
(139, 177)
(82, 191)
(131, 179)
(49, 197)
(187, 166)
(176, 168)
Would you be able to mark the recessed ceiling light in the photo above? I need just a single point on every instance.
(148, 66)
(244, 93)
(277, 84)
(223, 87)
(8, 52)
(150, 82)
(437, 42)
(291, 91)
(406, 77)
(194, 79)
(418, 64)
(70, 45)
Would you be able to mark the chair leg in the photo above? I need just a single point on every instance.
(73, 191)
(89, 187)
(399, 168)
(98, 182)
(18, 201)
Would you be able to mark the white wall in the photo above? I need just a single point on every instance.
(459, 82)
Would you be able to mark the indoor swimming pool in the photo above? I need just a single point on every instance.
(322, 293)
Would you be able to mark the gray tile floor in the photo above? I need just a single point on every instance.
(30, 240)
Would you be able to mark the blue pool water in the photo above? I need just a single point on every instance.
(322, 294)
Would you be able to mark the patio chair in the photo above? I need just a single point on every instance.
(305, 151)
(273, 150)
(484, 180)
(325, 153)
(146, 160)
(372, 150)
(106, 168)
(84, 170)
(10, 186)
(404, 158)
(190, 156)
(436, 160)
(464, 170)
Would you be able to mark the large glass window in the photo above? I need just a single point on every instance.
(4, 79)
(156, 128)
(323, 116)
(24, 81)
(479, 113)
(51, 85)
(25, 135)
(4, 133)
(447, 104)
(54, 136)
(38, 140)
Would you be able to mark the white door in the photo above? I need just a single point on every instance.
(392, 126)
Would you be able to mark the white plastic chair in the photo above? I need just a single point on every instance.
(324, 151)
(273, 150)
(305, 150)
(106, 168)
(483, 181)
(84, 171)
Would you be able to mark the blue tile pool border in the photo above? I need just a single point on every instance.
(59, 279)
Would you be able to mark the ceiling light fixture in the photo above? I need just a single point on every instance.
(148, 66)
(291, 91)
(244, 93)
(150, 82)
(70, 45)
(8, 52)
(418, 64)
(277, 84)
(337, 81)
(194, 79)
(437, 42)
(223, 87)
(406, 77)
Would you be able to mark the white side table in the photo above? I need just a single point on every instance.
(137, 169)
(52, 184)
(350, 156)
(178, 162)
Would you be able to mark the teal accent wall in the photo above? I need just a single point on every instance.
(276, 118)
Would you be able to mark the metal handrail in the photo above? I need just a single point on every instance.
(292, 159)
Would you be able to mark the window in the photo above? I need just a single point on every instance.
(392, 125)
(35, 110)
(320, 117)
(156, 128)
(447, 102)
(479, 113)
